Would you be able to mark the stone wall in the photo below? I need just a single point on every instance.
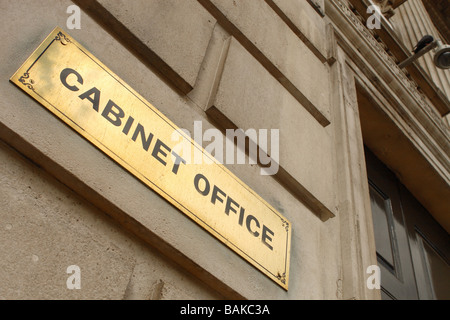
(230, 64)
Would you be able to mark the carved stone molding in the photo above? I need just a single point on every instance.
(386, 7)
(409, 111)
(390, 63)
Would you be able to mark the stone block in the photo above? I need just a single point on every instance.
(251, 98)
(177, 31)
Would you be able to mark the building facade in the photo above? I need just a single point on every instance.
(360, 151)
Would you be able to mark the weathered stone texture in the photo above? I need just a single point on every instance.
(250, 97)
(177, 31)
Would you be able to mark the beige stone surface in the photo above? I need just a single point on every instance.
(265, 29)
(251, 98)
(177, 31)
(309, 23)
(45, 215)
(45, 228)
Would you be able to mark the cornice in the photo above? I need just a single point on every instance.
(372, 59)
(440, 102)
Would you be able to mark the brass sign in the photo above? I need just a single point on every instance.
(76, 87)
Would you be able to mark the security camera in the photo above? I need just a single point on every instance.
(442, 56)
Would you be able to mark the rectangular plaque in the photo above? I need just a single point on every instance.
(77, 88)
